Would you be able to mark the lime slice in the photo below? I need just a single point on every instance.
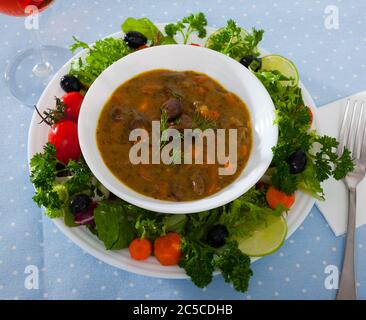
(266, 239)
(285, 66)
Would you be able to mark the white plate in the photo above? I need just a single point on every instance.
(87, 241)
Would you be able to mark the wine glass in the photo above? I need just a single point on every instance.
(30, 71)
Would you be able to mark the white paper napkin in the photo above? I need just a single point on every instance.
(335, 207)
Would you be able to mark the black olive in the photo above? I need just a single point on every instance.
(172, 108)
(135, 39)
(80, 203)
(62, 172)
(217, 235)
(247, 61)
(70, 83)
(297, 161)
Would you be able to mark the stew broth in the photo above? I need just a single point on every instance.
(182, 97)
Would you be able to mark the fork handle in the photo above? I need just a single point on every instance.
(347, 286)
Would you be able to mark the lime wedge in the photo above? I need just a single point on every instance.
(285, 66)
(266, 239)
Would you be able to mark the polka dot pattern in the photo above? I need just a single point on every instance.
(331, 65)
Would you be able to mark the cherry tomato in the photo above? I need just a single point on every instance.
(64, 136)
(73, 101)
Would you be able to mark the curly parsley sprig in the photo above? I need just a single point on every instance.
(235, 41)
(192, 23)
(294, 123)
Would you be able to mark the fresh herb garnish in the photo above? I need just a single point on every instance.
(52, 116)
(164, 125)
(43, 174)
(81, 177)
(52, 190)
(197, 261)
(294, 123)
(202, 122)
(192, 23)
(234, 266)
(235, 42)
(100, 56)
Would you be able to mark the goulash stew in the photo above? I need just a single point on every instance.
(177, 100)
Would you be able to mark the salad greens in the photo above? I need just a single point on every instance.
(43, 174)
(247, 212)
(197, 261)
(235, 42)
(116, 223)
(148, 29)
(113, 225)
(294, 123)
(100, 56)
(234, 266)
(56, 183)
(192, 23)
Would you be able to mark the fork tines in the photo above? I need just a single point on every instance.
(352, 130)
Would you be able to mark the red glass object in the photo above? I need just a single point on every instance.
(17, 7)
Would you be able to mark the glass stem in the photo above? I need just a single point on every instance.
(43, 68)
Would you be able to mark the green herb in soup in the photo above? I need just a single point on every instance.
(176, 100)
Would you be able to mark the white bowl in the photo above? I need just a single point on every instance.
(228, 72)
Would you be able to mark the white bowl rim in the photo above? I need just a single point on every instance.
(224, 196)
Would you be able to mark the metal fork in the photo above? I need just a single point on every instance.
(352, 136)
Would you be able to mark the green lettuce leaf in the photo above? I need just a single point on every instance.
(112, 225)
(148, 29)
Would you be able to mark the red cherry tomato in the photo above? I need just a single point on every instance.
(73, 101)
(64, 136)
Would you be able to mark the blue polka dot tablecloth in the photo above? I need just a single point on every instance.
(331, 62)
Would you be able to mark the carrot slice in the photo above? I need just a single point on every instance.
(310, 114)
(201, 78)
(244, 151)
(275, 197)
(151, 88)
(167, 249)
(140, 249)
(207, 113)
(230, 98)
(213, 114)
(144, 105)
